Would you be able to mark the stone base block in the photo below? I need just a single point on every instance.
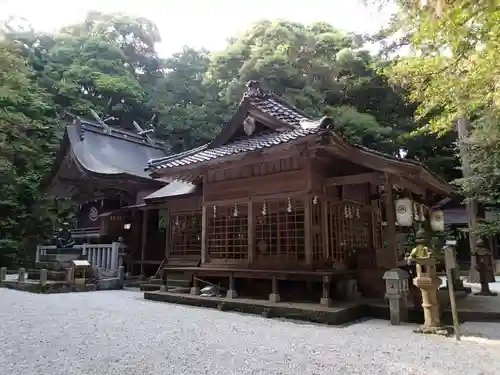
(274, 297)
(488, 294)
(325, 302)
(194, 291)
(231, 293)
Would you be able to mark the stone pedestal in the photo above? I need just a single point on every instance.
(21, 277)
(398, 309)
(3, 274)
(428, 283)
(195, 289)
(231, 293)
(325, 297)
(325, 301)
(274, 297)
(121, 275)
(43, 277)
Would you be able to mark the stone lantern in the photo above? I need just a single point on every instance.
(484, 267)
(396, 291)
(427, 281)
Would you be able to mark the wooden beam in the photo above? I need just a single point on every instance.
(168, 237)
(204, 238)
(307, 231)
(251, 232)
(404, 183)
(144, 236)
(374, 209)
(391, 256)
(354, 179)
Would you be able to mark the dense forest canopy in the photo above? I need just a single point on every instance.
(109, 64)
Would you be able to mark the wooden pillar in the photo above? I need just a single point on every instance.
(307, 231)
(325, 228)
(168, 237)
(204, 239)
(251, 233)
(374, 208)
(391, 258)
(144, 237)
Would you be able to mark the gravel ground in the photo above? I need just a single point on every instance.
(118, 332)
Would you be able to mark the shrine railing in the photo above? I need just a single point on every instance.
(105, 256)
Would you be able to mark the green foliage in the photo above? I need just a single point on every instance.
(453, 73)
(26, 145)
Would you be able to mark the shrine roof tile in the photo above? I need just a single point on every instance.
(244, 145)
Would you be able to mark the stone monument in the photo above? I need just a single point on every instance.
(484, 267)
(396, 284)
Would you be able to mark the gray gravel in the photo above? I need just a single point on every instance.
(117, 332)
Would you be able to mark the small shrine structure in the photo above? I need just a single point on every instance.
(102, 169)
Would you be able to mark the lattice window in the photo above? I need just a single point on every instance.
(227, 232)
(279, 229)
(317, 229)
(186, 233)
(336, 228)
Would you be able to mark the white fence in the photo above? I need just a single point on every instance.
(105, 256)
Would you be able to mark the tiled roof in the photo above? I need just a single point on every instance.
(271, 105)
(245, 145)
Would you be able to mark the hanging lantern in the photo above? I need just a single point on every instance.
(177, 223)
(264, 209)
(404, 216)
(437, 221)
(315, 200)
(346, 212)
(358, 215)
(215, 212)
(289, 205)
(235, 213)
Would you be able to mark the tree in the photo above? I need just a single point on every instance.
(109, 58)
(26, 146)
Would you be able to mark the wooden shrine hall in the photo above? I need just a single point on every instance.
(278, 200)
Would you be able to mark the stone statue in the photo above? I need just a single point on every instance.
(421, 251)
(484, 267)
(63, 237)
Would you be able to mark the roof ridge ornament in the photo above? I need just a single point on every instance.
(102, 121)
(254, 88)
(77, 121)
(145, 132)
(323, 123)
